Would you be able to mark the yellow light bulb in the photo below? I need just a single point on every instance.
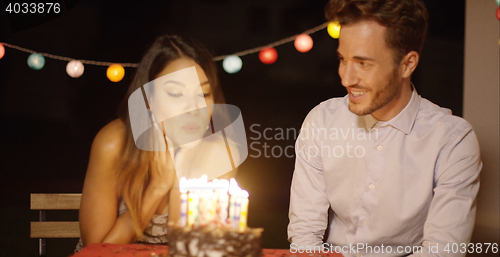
(115, 72)
(333, 29)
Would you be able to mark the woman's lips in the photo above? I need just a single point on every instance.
(191, 128)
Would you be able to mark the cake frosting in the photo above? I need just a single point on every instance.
(212, 241)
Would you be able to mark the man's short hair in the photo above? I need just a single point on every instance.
(405, 20)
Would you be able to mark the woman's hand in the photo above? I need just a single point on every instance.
(162, 174)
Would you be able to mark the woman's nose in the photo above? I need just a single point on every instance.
(194, 112)
(194, 104)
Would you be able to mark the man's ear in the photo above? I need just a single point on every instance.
(409, 63)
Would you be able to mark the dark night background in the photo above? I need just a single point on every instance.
(48, 119)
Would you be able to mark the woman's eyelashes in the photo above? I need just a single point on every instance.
(172, 94)
(176, 95)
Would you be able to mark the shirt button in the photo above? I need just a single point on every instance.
(379, 148)
(365, 222)
(372, 186)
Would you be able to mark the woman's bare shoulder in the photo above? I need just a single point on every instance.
(105, 153)
(111, 137)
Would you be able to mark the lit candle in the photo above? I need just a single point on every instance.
(237, 212)
(193, 201)
(244, 210)
(206, 204)
(184, 201)
(233, 192)
(222, 202)
(213, 202)
(202, 182)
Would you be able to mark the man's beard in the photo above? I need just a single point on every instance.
(380, 98)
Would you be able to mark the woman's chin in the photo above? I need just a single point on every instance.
(189, 139)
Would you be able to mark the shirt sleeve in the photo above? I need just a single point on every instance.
(309, 204)
(452, 211)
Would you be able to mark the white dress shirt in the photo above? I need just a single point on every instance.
(410, 181)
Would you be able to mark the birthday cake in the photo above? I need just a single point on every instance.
(213, 241)
(213, 222)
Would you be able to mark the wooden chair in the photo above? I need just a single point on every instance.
(53, 229)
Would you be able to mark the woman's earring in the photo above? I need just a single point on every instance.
(153, 120)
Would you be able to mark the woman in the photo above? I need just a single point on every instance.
(128, 192)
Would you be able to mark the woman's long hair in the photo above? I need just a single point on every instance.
(135, 167)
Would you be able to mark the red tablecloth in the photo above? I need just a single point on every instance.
(138, 250)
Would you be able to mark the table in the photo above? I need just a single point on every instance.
(139, 250)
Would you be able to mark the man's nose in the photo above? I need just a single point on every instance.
(348, 75)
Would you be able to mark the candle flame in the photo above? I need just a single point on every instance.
(235, 190)
(233, 187)
(183, 184)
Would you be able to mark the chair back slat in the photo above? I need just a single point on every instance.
(55, 229)
(55, 201)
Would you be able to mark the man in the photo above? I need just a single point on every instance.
(398, 173)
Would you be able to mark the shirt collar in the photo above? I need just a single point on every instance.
(369, 121)
(403, 121)
(406, 118)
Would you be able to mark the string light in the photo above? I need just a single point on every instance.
(268, 55)
(303, 43)
(62, 58)
(274, 44)
(115, 73)
(232, 64)
(2, 51)
(75, 69)
(36, 61)
(333, 29)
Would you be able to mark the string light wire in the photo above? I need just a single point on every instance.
(274, 44)
(135, 65)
